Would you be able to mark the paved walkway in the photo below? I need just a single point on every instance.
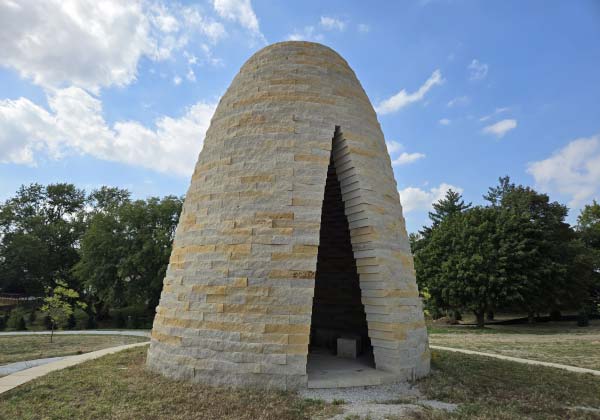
(519, 360)
(137, 333)
(19, 378)
(19, 366)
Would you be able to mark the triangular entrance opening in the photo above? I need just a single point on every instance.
(339, 323)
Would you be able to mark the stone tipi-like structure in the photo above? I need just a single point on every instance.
(291, 234)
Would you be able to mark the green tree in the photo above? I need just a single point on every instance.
(40, 228)
(108, 199)
(59, 305)
(496, 194)
(452, 203)
(465, 260)
(588, 230)
(588, 226)
(548, 252)
(126, 249)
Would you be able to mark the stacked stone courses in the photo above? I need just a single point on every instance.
(237, 297)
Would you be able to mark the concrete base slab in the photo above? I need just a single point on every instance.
(329, 371)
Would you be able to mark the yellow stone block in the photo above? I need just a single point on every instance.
(306, 249)
(166, 339)
(291, 274)
(256, 178)
(287, 328)
(298, 339)
(311, 158)
(274, 215)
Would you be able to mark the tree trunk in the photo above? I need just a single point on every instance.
(531, 317)
(490, 315)
(480, 318)
(51, 331)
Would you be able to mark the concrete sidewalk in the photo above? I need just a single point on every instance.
(11, 368)
(135, 333)
(519, 360)
(12, 381)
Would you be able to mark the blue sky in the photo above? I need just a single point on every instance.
(466, 91)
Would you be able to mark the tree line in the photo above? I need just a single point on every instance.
(515, 253)
(108, 254)
(110, 249)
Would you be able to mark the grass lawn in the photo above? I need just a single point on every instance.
(16, 348)
(487, 388)
(557, 342)
(118, 387)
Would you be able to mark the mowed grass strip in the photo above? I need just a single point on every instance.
(567, 345)
(487, 388)
(118, 387)
(17, 348)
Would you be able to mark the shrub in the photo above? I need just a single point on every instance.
(91, 322)
(72, 323)
(32, 317)
(132, 322)
(120, 320)
(135, 316)
(555, 315)
(80, 318)
(583, 319)
(16, 320)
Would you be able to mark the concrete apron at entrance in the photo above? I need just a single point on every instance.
(329, 371)
(14, 380)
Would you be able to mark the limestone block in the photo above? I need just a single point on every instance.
(348, 347)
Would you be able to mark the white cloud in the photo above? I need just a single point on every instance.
(496, 112)
(477, 70)
(330, 23)
(91, 44)
(196, 21)
(240, 11)
(75, 124)
(403, 158)
(413, 198)
(500, 128)
(163, 19)
(458, 101)
(309, 33)
(87, 43)
(363, 27)
(209, 58)
(573, 170)
(444, 121)
(402, 98)
(393, 146)
(191, 58)
(406, 158)
(191, 76)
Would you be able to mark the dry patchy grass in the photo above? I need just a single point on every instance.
(487, 388)
(550, 342)
(118, 387)
(16, 348)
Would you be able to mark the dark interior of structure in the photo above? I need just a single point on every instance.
(337, 309)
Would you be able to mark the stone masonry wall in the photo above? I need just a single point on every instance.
(237, 297)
